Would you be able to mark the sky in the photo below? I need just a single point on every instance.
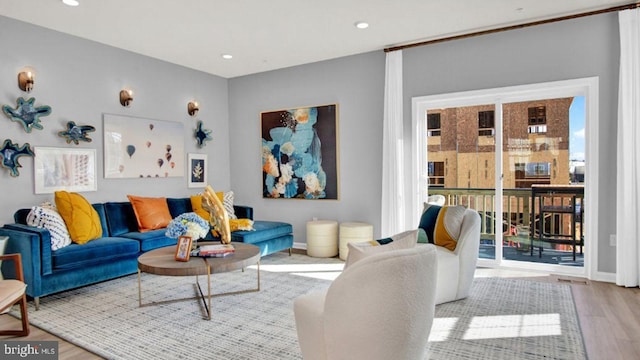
(576, 128)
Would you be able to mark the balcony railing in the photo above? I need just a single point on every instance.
(521, 211)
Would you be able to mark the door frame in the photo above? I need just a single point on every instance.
(587, 87)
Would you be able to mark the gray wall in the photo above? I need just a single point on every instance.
(81, 80)
(356, 84)
(566, 50)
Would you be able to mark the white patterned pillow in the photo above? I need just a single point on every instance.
(46, 216)
(227, 202)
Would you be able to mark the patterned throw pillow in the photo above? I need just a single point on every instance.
(46, 216)
(227, 201)
(360, 250)
(442, 224)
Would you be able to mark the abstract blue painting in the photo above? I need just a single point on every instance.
(299, 153)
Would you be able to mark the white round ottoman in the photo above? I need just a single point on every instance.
(322, 238)
(356, 232)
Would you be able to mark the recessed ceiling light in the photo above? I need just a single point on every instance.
(361, 25)
(227, 56)
(71, 2)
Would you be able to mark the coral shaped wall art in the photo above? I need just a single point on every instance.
(202, 135)
(76, 133)
(10, 153)
(27, 114)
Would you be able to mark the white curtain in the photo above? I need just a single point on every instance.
(628, 160)
(393, 201)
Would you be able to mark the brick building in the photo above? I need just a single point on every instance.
(461, 145)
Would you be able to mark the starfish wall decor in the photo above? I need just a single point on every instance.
(76, 133)
(27, 114)
(202, 134)
(10, 153)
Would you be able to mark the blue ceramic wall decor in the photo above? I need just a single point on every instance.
(27, 114)
(10, 153)
(202, 134)
(76, 133)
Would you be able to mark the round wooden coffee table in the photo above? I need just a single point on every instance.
(162, 262)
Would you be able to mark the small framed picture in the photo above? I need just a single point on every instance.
(197, 170)
(183, 248)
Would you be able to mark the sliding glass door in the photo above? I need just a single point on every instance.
(517, 156)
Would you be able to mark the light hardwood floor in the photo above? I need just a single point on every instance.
(609, 318)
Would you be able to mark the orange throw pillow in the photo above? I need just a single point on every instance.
(82, 220)
(151, 213)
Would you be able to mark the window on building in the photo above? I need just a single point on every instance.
(537, 119)
(436, 173)
(528, 174)
(486, 121)
(433, 124)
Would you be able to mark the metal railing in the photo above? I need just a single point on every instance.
(518, 210)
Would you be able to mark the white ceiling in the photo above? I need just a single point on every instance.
(266, 35)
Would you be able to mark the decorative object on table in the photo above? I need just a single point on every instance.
(299, 153)
(27, 114)
(202, 135)
(183, 248)
(188, 224)
(142, 148)
(197, 170)
(10, 153)
(64, 169)
(76, 133)
(219, 219)
(192, 108)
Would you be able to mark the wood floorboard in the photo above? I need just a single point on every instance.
(609, 318)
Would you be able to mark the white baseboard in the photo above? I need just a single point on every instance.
(301, 246)
(605, 277)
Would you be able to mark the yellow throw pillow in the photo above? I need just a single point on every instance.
(240, 224)
(82, 220)
(196, 206)
(151, 213)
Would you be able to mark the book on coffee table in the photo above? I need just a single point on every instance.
(217, 250)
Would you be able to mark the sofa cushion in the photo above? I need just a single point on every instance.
(152, 213)
(83, 222)
(360, 250)
(99, 250)
(120, 217)
(442, 224)
(179, 206)
(150, 240)
(263, 230)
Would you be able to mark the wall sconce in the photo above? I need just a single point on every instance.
(26, 80)
(193, 108)
(126, 97)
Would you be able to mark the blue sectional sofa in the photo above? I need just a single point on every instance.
(116, 253)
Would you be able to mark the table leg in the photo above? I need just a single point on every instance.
(139, 290)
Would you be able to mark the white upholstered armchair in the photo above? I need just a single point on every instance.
(456, 268)
(380, 307)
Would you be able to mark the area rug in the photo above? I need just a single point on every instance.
(502, 319)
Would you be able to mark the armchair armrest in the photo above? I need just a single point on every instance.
(17, 261)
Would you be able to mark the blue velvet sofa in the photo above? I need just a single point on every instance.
(116, 253)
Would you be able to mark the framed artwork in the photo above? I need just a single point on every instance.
(70, 169)
(183, 248)
(197, 170)
(300, 153)
(142, 148)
